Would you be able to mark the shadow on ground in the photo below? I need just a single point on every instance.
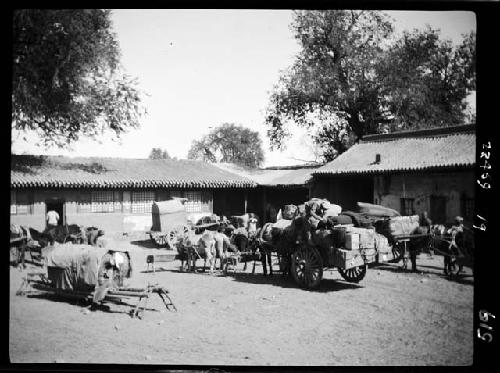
(109, 307)
(146, 244)
(326, 285)
(463, 278)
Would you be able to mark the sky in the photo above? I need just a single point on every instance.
(202, 68)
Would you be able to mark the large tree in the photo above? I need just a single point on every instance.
(66, 80)
(229, 143)
(349, 79)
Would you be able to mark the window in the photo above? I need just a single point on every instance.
(407, 206)
(142, 201)
(100, 201)
(21, 203)
(198, 201)
(468, 208)
(84, 202)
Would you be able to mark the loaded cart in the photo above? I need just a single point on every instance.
(91, 274)
(169, 221)
(346, 248)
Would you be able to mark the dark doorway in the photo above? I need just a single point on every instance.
(58, 206)
(438, 209)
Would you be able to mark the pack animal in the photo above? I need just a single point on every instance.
(200, 246)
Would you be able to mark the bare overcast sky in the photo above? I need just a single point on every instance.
(202, 68)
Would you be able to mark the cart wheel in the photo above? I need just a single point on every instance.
(397, 253)
(307, 267)
(173, 235)
(355, 274)
(160, 240)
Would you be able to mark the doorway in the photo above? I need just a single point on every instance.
(58, 206)
(438, 209)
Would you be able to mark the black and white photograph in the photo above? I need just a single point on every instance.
(246, 187)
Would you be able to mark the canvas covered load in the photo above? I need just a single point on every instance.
(372, 210)
(403, 225)
(83, 267)
(168, 215)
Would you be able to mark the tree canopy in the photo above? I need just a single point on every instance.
(157, 153)
(66, 80)
(229, 143)
(351, 78)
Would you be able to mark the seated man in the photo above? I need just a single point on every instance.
(315, 216)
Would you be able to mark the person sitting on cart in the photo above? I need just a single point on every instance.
(315, 217)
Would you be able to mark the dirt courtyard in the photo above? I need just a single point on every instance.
(392, 317)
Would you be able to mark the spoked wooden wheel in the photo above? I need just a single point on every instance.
(355, 274)
(161, 240)
(397, 252)
(172, 237)
(158, 238)
(307, 267)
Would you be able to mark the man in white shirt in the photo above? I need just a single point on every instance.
(52, 219)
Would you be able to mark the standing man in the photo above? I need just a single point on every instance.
(52, 219)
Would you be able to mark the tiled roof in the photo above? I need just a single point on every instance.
(67, 172)
(272, 177)
(415, 150)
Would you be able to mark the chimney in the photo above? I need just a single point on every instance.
(377, 158)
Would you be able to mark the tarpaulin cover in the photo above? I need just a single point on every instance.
(376, 210)
(74, 267)
(168, 215)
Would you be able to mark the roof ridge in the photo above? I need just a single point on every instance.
(425, 132)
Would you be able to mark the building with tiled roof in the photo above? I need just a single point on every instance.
(411, 171)
(116, 194)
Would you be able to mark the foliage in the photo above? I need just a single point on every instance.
(229, 143)
(348, 80)
(426, 79)
(66, 78)
(157, 153)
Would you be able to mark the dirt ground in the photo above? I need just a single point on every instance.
(392, 317)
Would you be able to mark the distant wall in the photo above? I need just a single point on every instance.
(225, 201)
(453, 190)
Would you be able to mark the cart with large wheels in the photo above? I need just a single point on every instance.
(170, 222)
(306, 263)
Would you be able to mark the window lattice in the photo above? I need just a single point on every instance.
(84, 202)
(106, 201)
(142, 201)
(197, 201)
(407, 207)
(468, 208)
